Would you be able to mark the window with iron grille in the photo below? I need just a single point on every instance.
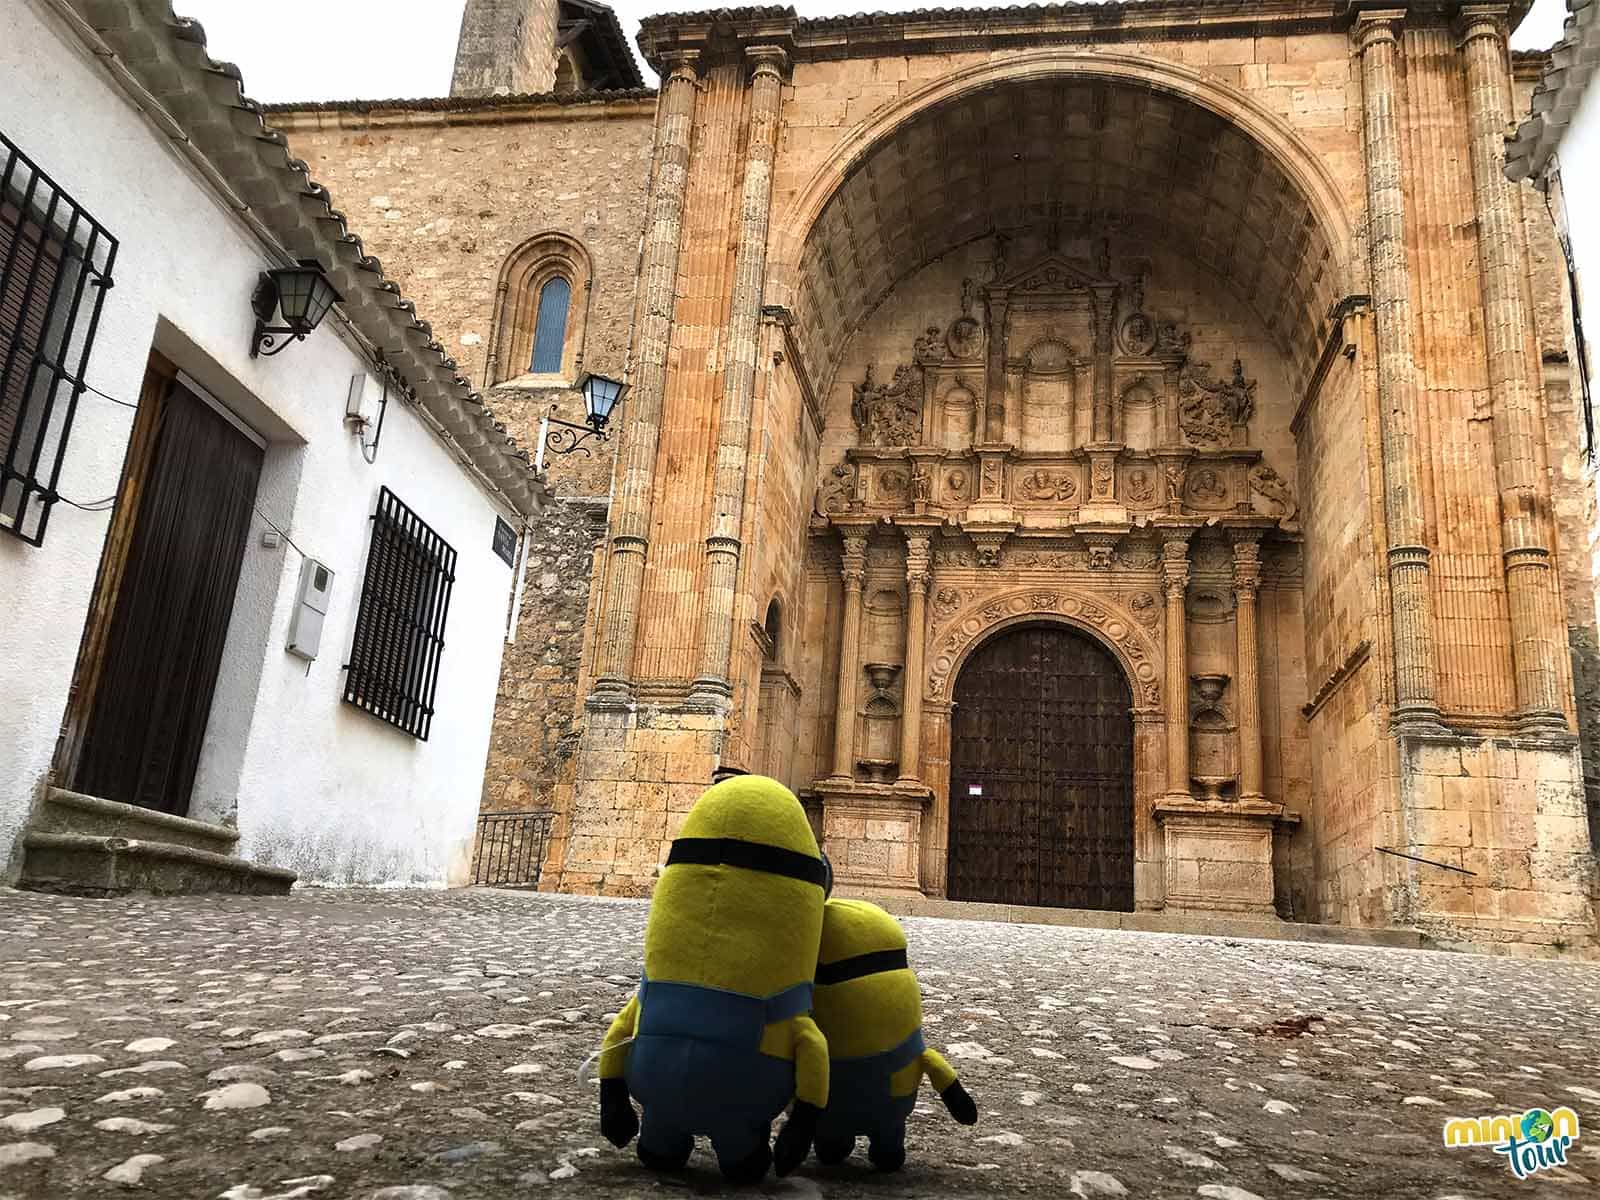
(394, 658)
(55, 269)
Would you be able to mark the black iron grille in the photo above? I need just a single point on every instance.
(55, 267)
(394, 658)
(511, 848)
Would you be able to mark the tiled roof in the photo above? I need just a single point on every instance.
(202, 106)
(464, 103)
(1558, 93)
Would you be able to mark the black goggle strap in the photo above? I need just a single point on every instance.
(875, 963)
(752, 856)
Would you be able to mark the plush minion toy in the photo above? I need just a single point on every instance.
(718, 1039)
(870, 1010)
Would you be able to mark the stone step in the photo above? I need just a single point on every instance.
(1219, 925)
(102, 865)
(74, 812)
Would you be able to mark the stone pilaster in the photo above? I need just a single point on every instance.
(1416, 691)
(711, 686)
(1247, 670)
(1105, 304)
(918, 577)
(992, 423)
(658, 276)
(1175, 583)
(1524, 488)
(852, 573)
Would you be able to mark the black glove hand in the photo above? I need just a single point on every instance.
(796, 1136)
(960, 1104)
(618, 1121)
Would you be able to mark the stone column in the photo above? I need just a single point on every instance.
(1105, 307)
(712, 687)
(1416, 693)
(918, 577)
(1519, 458)
(658, 280)
(1175, 582)
(853, 572)
(1247, 671)
(993, 427)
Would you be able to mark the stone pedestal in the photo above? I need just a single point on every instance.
(1219, 856)
(873, 835)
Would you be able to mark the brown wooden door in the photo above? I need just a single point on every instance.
(156, 674)
(1041, 774)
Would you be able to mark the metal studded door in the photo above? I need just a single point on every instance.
(1041, 774)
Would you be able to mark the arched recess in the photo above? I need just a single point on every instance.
(523, 281)
(1176, 152)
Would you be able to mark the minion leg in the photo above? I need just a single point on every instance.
(744, 1153)
(832, 1150)
(662, 1148)
(886, 1148)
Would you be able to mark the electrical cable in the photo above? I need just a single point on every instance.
(109, 502)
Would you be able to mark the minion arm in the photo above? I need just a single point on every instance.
(939, 1072)
(613, 1050)
(810, 1063)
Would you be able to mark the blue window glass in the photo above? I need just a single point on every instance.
(550, 331)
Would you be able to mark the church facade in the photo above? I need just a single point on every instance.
(1115, 456)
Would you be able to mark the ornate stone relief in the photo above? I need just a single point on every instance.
(837, 487)
(957, 484)
(1208, 487)
(1146, 609)
(965, 339)
(927, 349)
(1048, 485)
(1140, 487)
(1049, 560)
(1102, 549)
(1129, 639)
(1276, 494)
(891, 485)
(946, 602)
(1139, 556)
(1212, 556)
(1210, 409)
(889, 414)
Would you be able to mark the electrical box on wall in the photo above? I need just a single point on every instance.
(310, 607)
(361, 402)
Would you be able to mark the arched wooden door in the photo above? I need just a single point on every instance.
(1041, 773)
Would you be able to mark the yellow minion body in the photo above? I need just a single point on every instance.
(719, 1036)
(869, 1008)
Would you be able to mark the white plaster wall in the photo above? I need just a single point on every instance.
(1579, 156)
(317, 785)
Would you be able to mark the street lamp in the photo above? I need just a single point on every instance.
(301, 296)
(601, 395)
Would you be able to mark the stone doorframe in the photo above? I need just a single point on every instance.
(1134, 645)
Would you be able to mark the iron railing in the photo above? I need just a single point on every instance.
(511, 849)
(55, 268)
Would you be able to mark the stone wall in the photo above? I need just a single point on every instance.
(491, 28)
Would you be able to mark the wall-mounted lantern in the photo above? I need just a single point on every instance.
(300, 296)
(601, 395)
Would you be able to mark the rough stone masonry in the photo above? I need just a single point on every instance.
(427, 1046)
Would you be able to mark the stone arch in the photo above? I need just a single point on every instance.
(523, 276)
(1328, 222)
(1133, 646)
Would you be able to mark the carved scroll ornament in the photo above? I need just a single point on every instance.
(889, 415)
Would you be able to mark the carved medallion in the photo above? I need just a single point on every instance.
(927, 350)
(965, 338)
(1137, 335)
(1207, 487)
(955, 485)
(1141, 486)
(892, 484)
(1048, 485)
(1044, 601)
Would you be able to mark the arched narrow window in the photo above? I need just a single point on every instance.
(550, 330)
(539, 313)
(773, 628)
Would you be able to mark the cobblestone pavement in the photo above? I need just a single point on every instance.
(426, 1046)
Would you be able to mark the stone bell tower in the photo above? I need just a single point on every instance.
(507, 47)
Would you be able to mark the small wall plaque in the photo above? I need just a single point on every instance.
(505, 541)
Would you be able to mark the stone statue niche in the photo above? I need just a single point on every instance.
(1213, 742)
